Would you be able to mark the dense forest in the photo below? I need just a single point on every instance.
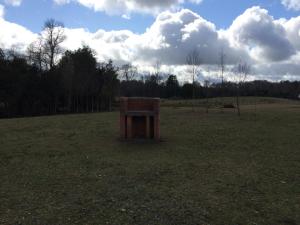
(47, 80)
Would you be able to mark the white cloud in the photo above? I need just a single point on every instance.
(291, 4)
(14, 36)
(292, 28)
(254, 36)
(264, 37)
(13, 2)
(108, 45)
(126, 16)
(271, 46)
(174, 35)
(285, 70)
(2, 11)
(125, 7)
(62, 2)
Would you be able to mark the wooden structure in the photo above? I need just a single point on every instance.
(139, 118)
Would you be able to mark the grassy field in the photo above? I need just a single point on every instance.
(211, 168)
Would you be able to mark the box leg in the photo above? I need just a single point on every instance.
(129, 127)
(148, 127)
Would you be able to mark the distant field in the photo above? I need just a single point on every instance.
(217, 102)
(211, 168)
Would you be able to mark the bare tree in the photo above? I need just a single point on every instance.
(206, 86)
(35, 54)
(242, 70)
(52, 36)
(222, 67)
(129, 71)
(157, 67)
(193, 61)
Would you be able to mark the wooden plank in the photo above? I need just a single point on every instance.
(148, 127)
(129, 127)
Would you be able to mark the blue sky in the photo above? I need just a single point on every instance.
(33, 13)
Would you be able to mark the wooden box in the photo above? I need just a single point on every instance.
(140, 118)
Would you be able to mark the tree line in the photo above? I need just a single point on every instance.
(76, 84)
(171, 88)
(48, 80)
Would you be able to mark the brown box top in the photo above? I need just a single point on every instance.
(139, 104)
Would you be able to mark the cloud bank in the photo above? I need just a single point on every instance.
(291, 4)
(271, 46)
(125, 7)
(264, 38)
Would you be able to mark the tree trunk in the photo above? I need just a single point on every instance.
(87, 103)
(238, 100)
(77, 104)
(98, 108)
(69, 103)
(92, 104)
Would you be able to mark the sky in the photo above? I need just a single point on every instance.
(263, 33)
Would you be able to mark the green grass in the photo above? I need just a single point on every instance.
(211, 168)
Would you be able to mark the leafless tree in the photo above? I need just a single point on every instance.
(222, 65)
(157, 67)
(14, 52)
(36, 54)
(222, 68)
(206, 86)
(193, 61)
(52, 36)
(242, 70)
(128, 71)
(44, 51)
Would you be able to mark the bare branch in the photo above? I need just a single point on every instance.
(53, 36)
(129, 71)
(193, 61)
